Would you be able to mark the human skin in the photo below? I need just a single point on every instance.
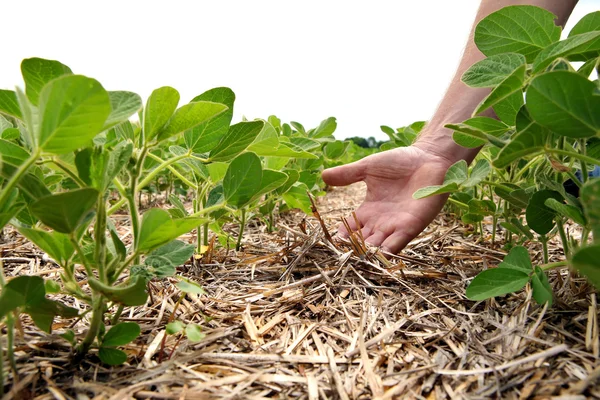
(389, 216)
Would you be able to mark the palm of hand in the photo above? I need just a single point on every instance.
(389, 215)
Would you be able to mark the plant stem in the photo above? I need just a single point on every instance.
(58, 162)
(115, 207)
(458, 203)
(580, 157)
(241, 231)
(16, 177)
(97, 316)
(494, 223)
(152, 174)
(175, 172)
(557, 264)
(81, 254)
(544, 241)
(582, 151)
(10, 344)
(100, 238)
(563, 237)
(117, 315)
(208, 210)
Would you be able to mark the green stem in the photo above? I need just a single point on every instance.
(544, 241)
(241, 231)
(494, 223)
(563, 237)
(100, 238)
(10, 344)
(67, 170)
(97, 317)
(580, 157)
(557, 264)
(115, 207)
(458, 203)
(16, 177)
(530, 164)
(117, 315)
(582, 151)
(124, 265)
(182, 178)
(575, 180)
(210, 209)
(81, 254)
(152, 174)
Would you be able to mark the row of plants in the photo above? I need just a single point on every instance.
(537, 173)
(70, 157)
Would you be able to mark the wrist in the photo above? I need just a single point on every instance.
(437, 140)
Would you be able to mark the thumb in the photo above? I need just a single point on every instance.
(345, 174)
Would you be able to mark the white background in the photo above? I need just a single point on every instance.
(366, 63)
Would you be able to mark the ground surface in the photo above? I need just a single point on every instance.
(293, 316)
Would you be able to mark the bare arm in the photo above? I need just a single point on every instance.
(460, 100)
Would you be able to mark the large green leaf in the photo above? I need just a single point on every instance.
(121, 334)
(325, 128)
(479, 172)
(496, 282)
(486, 128)
(9, 104)
(239, 137)
(508, 88)
(73, 110)
(529, 139)
(158, 228)
(131, 294)
(493, 70)
(191, 115)
(566, 210)
(57, 245)
(170, 256)
(580, 47)
(589, 23)
(64, 212)
(37, 72)
(508, 108)
(160, 106)
(540, 217)
(429, 191)
(112, 356)
(21, 291)
(590, 199)
(542, 291)
(270, 181)
(204, 137)
(587, 261)
(123, 105)
(297, 197)
(266, 141)
(457, 173)
(242, 180)
(564, 102)
(517, 29)
(517, 259)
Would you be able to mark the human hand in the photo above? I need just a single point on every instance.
(389, 216)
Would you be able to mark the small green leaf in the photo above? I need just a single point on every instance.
(496, 282)
(479, 131)
(587, 261)
(590, 199)
(158, 228)
(69, 336)
(21, 291)
(429, 191)
(73, 109)
(539, 217)
(583, 47)
(589, 23)
(121, 334)
(517, 29)
(159, 108)
(479, 172)
(566, 210)
(193, 333)
(187, 286)
(563, 102)
(191, 115)
(123, 105)
(296, 197)
(242, 179)
(111, 356)
(37, 72)
(326, 128)
(510, 86)
(335, 150)
(493, 70)
(239, 137)
(542, 291)
(132, 294)
(9, 105)
(64, 212)
(57, 245)
(517, 259)
(270, 181)
(52, 286)
(173, 254)
(174, 327)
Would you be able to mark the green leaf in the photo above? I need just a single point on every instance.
(193, 333)
(292, 177)
(296, 197)
(579, 47)
(57, 245)
(508, 108)
(206, 136)
(335, 150)
(174, 327)
(121, 334)
(517, 259)
(190, 116)
(510, 86)
(457, 173)
(111, 356)
(266, 141)
(73, 110)
(242, 180)
(37, 72)
(479, 172)
(159, 108)
(326, 128)
(529, 139)
(11, 134)
(524, 230)
(589, 23)
(158, 228)
(566, 210)
(539, 217)
(470, 218)
(187, 286)
(481, 207)
(493, 70)
(486, 129)
(270, 181)
(64, 212)
(542, 291)
(516, 29)
(587, 261)
(239, 137)
(44, 311)
(590, 199)
(123, 105)
(9, 105)
(172, 254)
(132, 294)
(21, 291)
(217, 170)
(496, 282)
(429, 191)
(564, 102)
(52, 286)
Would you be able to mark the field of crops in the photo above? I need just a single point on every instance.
(151, 249)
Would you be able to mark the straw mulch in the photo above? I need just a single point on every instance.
(295, 316)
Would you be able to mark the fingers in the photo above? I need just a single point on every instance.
(396, 242)
(345, 174)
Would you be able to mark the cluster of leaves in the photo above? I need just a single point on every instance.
(70, 157)
(547, 133)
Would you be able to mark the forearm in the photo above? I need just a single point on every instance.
(460, 100)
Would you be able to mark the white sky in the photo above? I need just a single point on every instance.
(367, 63)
